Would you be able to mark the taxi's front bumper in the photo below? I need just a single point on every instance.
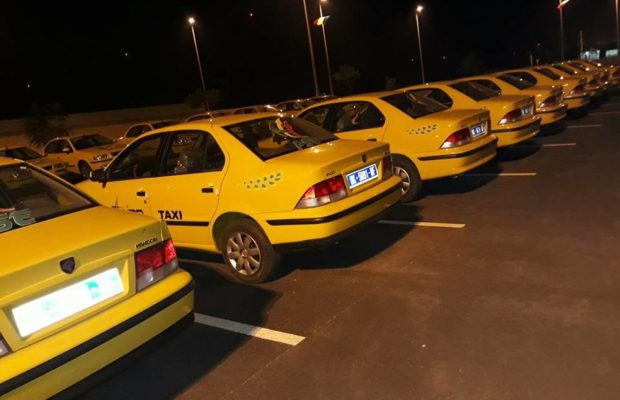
(327, 224)
(56, 363)
(509, 137)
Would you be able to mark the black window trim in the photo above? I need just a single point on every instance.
(168, 144)
(135, 143)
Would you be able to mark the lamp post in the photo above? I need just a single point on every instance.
(561, 4)
(617, 27)
(418, 11)
(205, 102)
(316, 83)
(329, 68)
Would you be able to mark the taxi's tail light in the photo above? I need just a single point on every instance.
(551, 101)
(388, 166)
(4, 347)
(458, 138)
(155, 263)
(593, 83)
(579, 89)
(513, 116)
(328, 191)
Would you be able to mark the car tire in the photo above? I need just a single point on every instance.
(248, 252)
(84, 169)
(411, 185)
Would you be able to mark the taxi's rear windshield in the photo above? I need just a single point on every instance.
(275, 136)
(22, 153)
(565, 69)
(28, 196)
(474, 90)
(548, 73)
(516, 81)
(414, 105)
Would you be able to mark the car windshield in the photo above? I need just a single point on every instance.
(162, 124)
(516, 81)
(548, 73)
(28, 196)
(474, 90)
(414, 105)
(274, 137)
(22, 153)
(564, 68)
(87, 141)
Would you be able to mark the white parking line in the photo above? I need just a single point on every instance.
(250, 330)
(604, 112)
(548, 145)
(584, 126)
(423, 224)
(485, 175)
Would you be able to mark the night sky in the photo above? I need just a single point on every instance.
(73, 53)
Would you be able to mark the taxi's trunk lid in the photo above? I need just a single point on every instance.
(501, 105)
(105, 250)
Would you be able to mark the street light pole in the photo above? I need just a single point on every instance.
(561, 34)
(617, 27)
(316, 82)
(205, 102)
(329, 68)
(418, 10)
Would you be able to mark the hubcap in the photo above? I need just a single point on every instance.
(243, 253)
(405, 179)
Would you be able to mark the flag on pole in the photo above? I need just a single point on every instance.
(321, 21)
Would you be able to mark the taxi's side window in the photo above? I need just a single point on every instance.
(489, 84)
(53, 147)
(136, 131)
(318, 116)
(356, 116)
(138, 161)
(526, 77)
(191, 152)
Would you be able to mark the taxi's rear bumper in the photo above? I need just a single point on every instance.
(145, 316)
(509, 137)
(577, 103)
(552, 116)
(443, 164)
(288, 231)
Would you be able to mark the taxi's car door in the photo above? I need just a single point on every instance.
(357, 120)
(129, 175)
(187, 190)
(61, 151)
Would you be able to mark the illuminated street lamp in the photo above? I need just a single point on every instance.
(316, 82)
(418, 11)
(561, 4)
(205, 102)
(329, 69)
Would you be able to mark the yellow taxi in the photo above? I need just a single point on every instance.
(574, 91)
(138, 129)
(33, 157)
(594, 84)
(613, 71)
(427, 140)
(82, 153)
(605, 73)
(513, 117)
(250, 186)
(548, 100)
(208, 115)
(86, 296)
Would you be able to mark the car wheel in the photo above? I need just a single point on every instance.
(84, 169)
(248, 252)
(411, 185)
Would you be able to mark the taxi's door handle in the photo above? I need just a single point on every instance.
(208, 189)
(371, 139)
(141, 193)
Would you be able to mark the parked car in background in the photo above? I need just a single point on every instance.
(138, 129)
(256, 109)
(427, 139)
(82, 285)
(250, 186)
(208, 115)
(594, 84)
(513, 117)
(293, 107)
(82, 153)
(33, 157)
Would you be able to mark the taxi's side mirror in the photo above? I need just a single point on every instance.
(97, 175)
(66, 150)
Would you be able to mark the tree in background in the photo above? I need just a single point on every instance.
(46, 121)
(196, 99)
(346, 79)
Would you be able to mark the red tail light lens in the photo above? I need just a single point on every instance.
(579, 89)
(552, 101)
(328, 191)
(458, 138)
(4, 347)
(388, 167)
(155, 263)
(513, 116)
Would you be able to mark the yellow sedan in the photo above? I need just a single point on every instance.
(33, 157)
(428, 141)
(513, 119)
(594, 85)
(250, 186)
(550, 106)
(574, 91)
(82, 285)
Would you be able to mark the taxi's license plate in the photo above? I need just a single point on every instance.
(477, 130)
(44, 311)
(361, 176)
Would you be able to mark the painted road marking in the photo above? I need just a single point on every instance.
(423, 224)
(547, 145)
(250, 330)
(584, 126)
(485, 175)
(604, 112)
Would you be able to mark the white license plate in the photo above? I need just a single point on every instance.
(477, 130)
(359, 177)
(527, 110)
(44, 311)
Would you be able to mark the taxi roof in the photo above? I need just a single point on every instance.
(8, 161)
